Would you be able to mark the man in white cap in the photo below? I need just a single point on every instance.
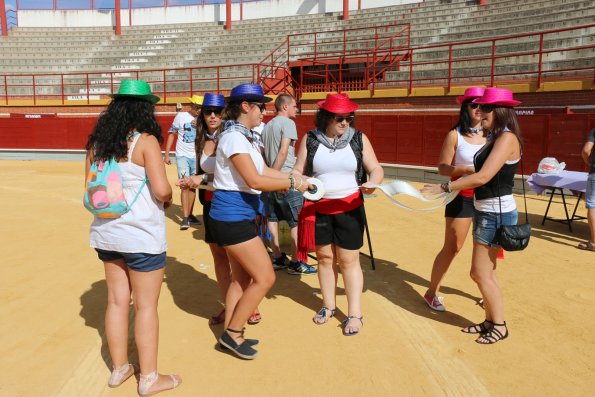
(184, 126)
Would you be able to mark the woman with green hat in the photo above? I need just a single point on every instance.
(133, 245)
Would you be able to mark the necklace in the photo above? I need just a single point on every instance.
(475, 130)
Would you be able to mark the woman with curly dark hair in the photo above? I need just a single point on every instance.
(133, 246)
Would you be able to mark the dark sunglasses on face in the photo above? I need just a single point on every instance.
(340, 119)
(208, 111)
(261, 106)
(473, 105)
(486, 108)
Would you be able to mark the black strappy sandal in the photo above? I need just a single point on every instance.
(243, 350)
(321, 315)
(354, 330)
(493, 335)
(478, 328)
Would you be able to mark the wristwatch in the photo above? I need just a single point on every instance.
(446, 187)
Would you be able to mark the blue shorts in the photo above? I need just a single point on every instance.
(284, 206)
(186, 166)
(137, 261)
(590, 196)
(486, 224)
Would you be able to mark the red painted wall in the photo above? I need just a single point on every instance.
(397, 139)
(417, 139)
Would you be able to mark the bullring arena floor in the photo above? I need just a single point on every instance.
(53, 298)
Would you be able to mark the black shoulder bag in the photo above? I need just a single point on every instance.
(514, 237)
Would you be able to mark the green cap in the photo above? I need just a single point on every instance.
(135, 89)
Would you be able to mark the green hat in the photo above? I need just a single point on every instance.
(135, 89)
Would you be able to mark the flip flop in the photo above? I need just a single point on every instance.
(255, 318)
(586, 245)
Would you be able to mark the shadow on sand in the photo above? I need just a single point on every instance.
(388, 280)
(192, 291)
(93, 305)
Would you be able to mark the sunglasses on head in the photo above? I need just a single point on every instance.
(208, 111)
(473, 105)
(261, 106)
(486, 108)
(340, 119)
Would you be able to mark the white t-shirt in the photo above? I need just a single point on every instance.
(226, 175)
(182, 125)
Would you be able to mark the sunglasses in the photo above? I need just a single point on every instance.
(261, 106)
(340, 119)
(208, 111)
(473, 105)
(486, 108)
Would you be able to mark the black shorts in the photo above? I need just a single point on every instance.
(460, 207)
(231, 233)
(206, 208)
(345, 230)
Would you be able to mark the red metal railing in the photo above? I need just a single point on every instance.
(346, 42)
(534, 57)
(84, 87)
(375, 43)
(501, 55)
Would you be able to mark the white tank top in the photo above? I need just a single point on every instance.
(465, 150)
(336, 170)
(208, 163)
(142, 229)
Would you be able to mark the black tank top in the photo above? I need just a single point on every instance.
(505, 176)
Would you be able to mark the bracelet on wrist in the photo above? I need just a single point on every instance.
(300, 185)
(445, 187)
(291, 182)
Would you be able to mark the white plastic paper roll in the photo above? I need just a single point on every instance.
(318, 191)
(401, 187)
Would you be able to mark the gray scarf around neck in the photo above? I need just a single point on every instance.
(232, 125)
(339, 143)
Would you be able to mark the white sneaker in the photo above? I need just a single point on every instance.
(435, 302)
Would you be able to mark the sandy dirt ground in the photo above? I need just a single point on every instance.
(53, 297)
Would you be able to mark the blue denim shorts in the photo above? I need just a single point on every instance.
(486, 224)
(186, 166)
(138, 261)
(590, 196)
(284, 206)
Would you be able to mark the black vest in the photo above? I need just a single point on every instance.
(505, 176)
(357, 145)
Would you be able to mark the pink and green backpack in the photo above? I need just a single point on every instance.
(104, 195)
